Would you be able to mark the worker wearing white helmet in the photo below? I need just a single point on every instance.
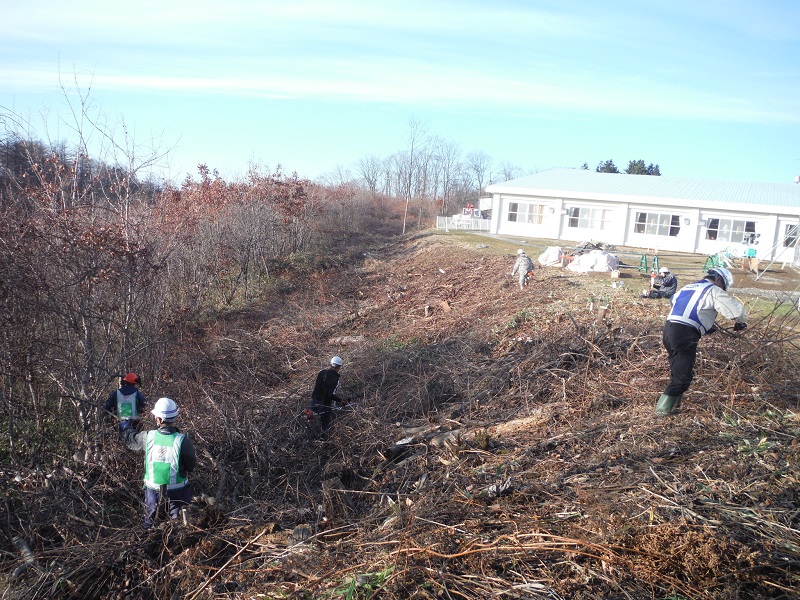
(693, 314)
(169, 457)
(323, 397)
(523, 268)
(664, 286)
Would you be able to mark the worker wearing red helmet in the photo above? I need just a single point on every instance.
(127, 402)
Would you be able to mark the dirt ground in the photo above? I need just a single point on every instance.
(499, 443)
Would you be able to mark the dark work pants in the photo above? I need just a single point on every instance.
(325, 414)
(681, 343)
(659, 294)
(177, 499)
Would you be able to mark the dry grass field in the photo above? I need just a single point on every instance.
(499, 444)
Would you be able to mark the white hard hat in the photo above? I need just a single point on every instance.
(336, 361)
(165, 408)
(520, 251)
(725, 274)
(663, 270)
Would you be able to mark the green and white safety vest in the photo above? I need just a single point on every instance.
(162, 453)
(126, 406)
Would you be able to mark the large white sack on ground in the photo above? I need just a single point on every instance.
(551, 257)
(596, 260)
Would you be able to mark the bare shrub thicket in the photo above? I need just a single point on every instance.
(100, 273)
(528, 439)
(79, 275)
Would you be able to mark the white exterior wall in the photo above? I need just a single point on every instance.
(620, 228)
(687, 229)
(611, 231)
(768, 244)
(782, 253)
(550, 216)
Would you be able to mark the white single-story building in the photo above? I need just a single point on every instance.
(645, 211)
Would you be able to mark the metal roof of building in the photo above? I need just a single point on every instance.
(562, 182)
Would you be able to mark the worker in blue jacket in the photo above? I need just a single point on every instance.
(127, 402)
(693, 314)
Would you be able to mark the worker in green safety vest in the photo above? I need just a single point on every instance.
(127, 402)
(169, 457)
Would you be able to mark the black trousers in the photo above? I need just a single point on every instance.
(325, 413)
(659, 294)
(681, 343)
(177, 499)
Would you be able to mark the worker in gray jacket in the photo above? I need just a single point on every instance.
(693, 314)
(523, 268)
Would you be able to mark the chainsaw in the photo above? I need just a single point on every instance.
(344, 405)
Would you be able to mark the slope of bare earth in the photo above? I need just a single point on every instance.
(500, 443)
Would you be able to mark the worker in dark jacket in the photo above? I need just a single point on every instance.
(127, 402)
(169, 457)
(664, 285)
(693, 314)
(324, 395)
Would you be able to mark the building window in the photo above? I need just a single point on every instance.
(657, 224)
(588, 218)
(522, 212)
(729, 230)
(790, 239)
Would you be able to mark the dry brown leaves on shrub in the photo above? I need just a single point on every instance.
(531, 464)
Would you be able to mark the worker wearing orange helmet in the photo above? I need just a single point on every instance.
(127, 403)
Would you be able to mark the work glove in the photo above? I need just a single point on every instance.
(740, 326)
(124, 426)
(712, 329)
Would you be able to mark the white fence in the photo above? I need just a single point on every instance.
(463, 222)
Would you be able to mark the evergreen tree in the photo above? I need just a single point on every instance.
(607, 167)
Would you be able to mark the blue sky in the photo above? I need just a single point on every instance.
(704, 89)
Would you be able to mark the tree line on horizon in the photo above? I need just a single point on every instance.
(436, 175)
(635, 167)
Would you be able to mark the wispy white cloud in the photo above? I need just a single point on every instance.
(466, 55)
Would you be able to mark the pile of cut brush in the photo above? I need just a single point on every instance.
(585, 247)
(501, 444)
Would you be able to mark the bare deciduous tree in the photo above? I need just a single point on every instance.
(370, 168)
(448, 155)
(417, 141)
(479, 165)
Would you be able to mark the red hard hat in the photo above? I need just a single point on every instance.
(131, 378)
